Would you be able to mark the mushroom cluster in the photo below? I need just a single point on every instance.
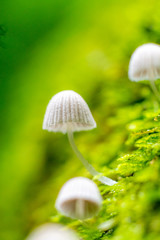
(67, 112)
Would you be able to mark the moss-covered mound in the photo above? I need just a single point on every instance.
(125, 147)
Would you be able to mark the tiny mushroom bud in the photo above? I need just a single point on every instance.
(79, 198)
(145, 65)
(67, 112)
(52, 231)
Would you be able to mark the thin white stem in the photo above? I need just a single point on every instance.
(93, 172)
(154, 89)
(80, 209)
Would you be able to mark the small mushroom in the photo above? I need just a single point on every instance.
(145, 65)
(52, 231)
(67, 112)
(79, 198)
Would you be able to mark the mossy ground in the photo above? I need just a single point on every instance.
(131, 208)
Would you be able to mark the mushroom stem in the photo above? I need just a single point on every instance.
(92, 171)
(154, 89)
(80, 208)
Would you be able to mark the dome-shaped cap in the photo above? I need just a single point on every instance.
(79, 198)
(52, 231)
(145, 63)
(68, 110)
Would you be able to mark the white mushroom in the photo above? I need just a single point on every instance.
(79, 198)
(145, 65)
(67, 112)
(52, 231)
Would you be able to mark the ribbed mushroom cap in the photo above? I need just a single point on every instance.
(68, 110)
(145, 63)
(51, 232)
(79, 198)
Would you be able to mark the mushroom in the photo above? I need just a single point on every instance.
(67, 112)
(145, 65)
(79, 198)
(52, 231)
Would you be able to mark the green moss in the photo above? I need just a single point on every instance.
(133, 204)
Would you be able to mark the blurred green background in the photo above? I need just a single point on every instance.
(46, 47)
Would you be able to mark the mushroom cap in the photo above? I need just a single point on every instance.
(79, 198)
(145, 63)
(51, 231)
(67, 110)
